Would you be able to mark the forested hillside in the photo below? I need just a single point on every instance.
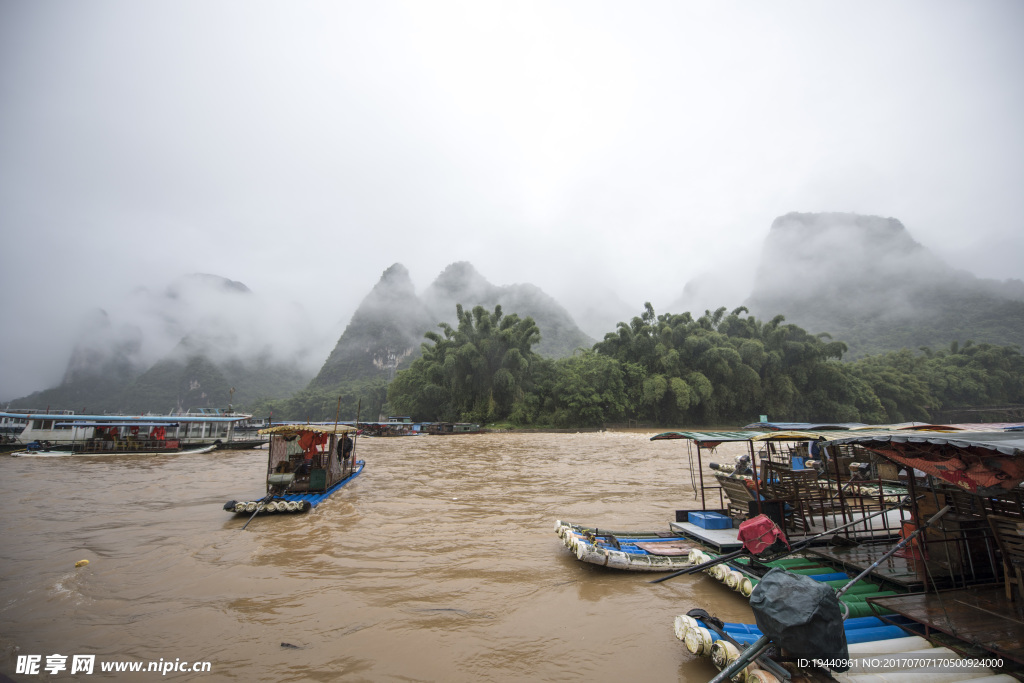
(675, 369)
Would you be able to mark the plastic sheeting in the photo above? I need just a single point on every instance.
(800, 615)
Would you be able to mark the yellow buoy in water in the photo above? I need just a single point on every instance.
(81, 563)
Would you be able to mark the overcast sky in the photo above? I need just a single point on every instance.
(595, 149)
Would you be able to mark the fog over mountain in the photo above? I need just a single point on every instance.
(868, 282)
(186, 345)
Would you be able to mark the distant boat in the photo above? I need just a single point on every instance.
(447, 428)
(306, 465)
(65, 433)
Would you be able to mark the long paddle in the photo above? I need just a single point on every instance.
(259, 506)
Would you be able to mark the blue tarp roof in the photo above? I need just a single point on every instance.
(117, 424)
(127, 418)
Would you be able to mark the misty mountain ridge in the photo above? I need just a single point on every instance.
(389, 325)
(385, 330)
(867, 282)
(186, 346)
(460, 283)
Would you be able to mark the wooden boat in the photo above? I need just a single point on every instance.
(395, 426)
(306, 465)
(65, 433)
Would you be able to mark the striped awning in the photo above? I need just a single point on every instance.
(297, 429)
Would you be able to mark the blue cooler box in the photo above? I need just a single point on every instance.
(710, 520)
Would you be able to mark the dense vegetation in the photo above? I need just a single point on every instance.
(677, 370)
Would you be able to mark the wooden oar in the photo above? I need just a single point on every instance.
(259, 506)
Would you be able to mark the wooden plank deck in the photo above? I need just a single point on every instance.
(979, 615)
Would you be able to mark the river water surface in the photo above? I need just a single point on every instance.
(438, 563)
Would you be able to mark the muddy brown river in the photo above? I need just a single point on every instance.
(438, 563)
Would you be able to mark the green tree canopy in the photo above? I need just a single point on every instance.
(476, 371)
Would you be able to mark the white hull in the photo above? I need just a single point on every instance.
(68, 454)
(585, 551)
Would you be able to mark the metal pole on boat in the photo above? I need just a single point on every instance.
(259, 506)
(700, 470)
(359, 408)
(752, 652)
(905, 541)
(757, 486)
(335, 443)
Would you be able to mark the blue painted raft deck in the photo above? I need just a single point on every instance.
(858, 630)
(315, 499)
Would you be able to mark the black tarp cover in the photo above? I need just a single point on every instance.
(800, 615)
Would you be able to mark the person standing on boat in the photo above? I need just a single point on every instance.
(344, 450)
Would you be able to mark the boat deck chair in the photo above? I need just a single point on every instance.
(738, 494)
(796, 488)
(1009, 535)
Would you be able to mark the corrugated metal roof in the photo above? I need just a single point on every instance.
(1006, 442)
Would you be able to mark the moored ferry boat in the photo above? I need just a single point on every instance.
(306, 465)
(57, 434)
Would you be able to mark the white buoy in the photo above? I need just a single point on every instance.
(682, 624)
(723, 653)
(698, 641)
